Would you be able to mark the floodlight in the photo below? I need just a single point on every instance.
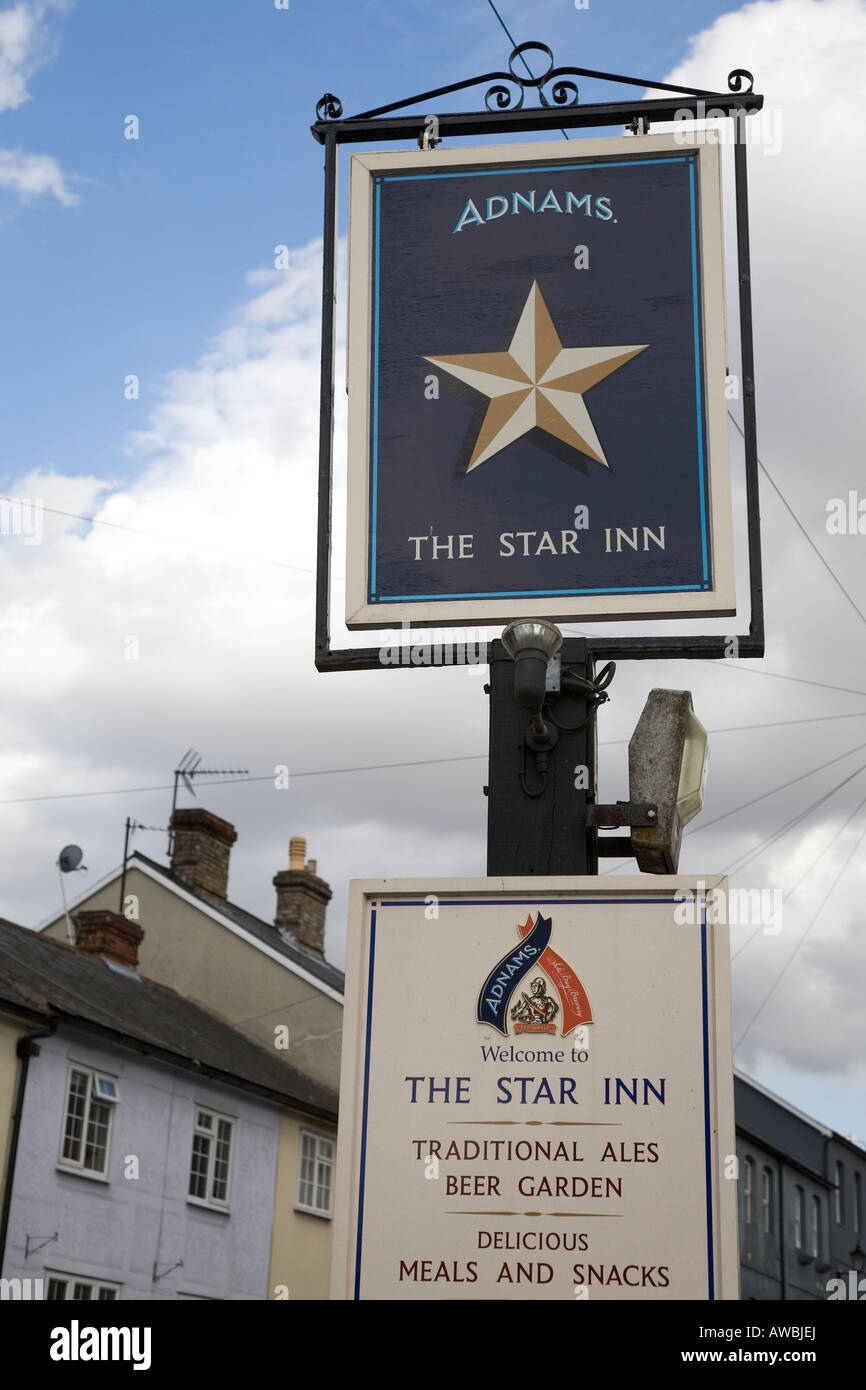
(667, 765)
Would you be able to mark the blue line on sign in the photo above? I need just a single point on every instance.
(708, 1147)
(536, 593)
(361, 1174)
(533, 168)
(374, 500)
(698, 366)
(521, 902)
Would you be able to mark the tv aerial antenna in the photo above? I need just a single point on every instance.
(188, 768)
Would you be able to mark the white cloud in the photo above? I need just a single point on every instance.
(228, 484)
(32, 175)
(27, 43)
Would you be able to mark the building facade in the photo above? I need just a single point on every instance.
(149, 1150)
(800, 1201)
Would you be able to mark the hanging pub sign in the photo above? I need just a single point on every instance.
(536, 373)
(537, 1092)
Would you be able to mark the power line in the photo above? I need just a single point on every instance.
(514, 45)
(790, 510)
(268, 777)
(747, 858)
(417, 762)
(155, 535)
(790, 959)
(755, 799)
(791, 891)
(743, 728)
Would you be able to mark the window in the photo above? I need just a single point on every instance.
(767, 1201)
(90, 1100)
(799, 1216)
(840, 1194)
(858, 1204)
(749, 1191)
(68, 1287)
(210, 1166)
(317, 1168)
(816, 1227)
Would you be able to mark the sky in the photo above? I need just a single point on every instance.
(159, 376)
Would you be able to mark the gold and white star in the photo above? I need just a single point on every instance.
(537, 382)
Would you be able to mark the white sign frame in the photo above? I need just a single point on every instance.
(720, 600)
(373, 1111)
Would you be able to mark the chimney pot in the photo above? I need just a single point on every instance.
(297, 852)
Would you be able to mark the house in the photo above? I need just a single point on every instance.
(269, 979)
(801, 1200)
(147, 1149)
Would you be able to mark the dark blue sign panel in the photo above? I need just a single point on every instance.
(535, 425)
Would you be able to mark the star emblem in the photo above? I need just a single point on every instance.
(537, 382)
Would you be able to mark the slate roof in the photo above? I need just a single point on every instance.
(46, 977)
(265, 932)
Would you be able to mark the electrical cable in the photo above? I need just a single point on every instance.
(753, 802)
(836, 580)
(749, 855)
(790, 892)
(790, 959)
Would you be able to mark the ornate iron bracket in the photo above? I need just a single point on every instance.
(507, 90)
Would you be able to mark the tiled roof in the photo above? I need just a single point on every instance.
(47, 977)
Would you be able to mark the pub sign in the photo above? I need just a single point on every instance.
(536, 376)
(536, 1097)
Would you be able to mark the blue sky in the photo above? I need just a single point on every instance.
(150, 261)
(154, 257)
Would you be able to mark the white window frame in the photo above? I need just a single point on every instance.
(767, 1201)
(748, 1191)
(839, 1199)
(210, 1133)
(816, 1225)
(94, 1078)
(72, 1281)
(317, 1157)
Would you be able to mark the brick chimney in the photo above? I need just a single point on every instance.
(104, 933)
(202, 845)
(302, 899)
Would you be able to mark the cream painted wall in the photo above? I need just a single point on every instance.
(203, 960)
(301, 1243)
(10, 1032)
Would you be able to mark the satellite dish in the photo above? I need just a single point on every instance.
(70, 858)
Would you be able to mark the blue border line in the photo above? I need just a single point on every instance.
(691, 160)
(363, 1166)
(517, 167)
(513, 902)
(374, 501)
(708, 1146)
(536, 593)
(698, 369)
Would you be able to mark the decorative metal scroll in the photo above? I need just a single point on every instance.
(507, 90)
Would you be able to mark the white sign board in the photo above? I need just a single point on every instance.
(537, 1092)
